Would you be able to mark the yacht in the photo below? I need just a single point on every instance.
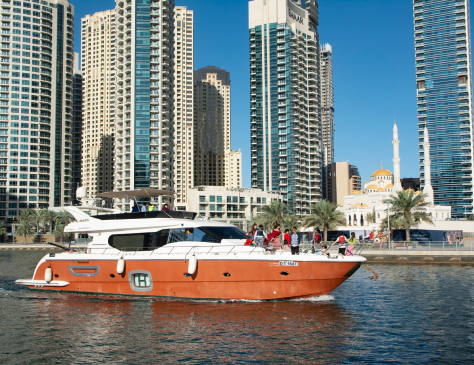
(172, 254)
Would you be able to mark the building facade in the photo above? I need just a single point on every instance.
(36, 114)
(77, 93)
(212, 125)
(444, 87)
(233, 169)
(144, 103)
(235, 206)
(327, 115)
(286, 145)
(99, 53)
(183, 103)
(346, 180)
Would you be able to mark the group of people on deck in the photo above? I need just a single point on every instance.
(148, 207)
(292, 241)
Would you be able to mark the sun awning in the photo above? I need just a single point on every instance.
(136, 194)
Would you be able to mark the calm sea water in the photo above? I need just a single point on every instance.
(412, 314)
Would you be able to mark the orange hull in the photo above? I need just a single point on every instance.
(260, 280)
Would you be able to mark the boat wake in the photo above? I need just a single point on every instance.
(322, 298)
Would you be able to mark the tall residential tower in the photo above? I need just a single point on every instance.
(444, 87)
(144, 102)
(183, 104)
(285, 100)
(37, 62)
(98, 69)
(327, 114)
(212, 125)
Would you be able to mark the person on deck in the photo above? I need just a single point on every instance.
(143, 208)
(341, 241)
(165, 207)
(259, 235)
(316, 242)
(253, 230)
(151, 208)
(295, 242)
(274, 237)
(286, 237)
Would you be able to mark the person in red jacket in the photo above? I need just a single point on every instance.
(286, 237)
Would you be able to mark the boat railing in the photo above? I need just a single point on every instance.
(197, 249)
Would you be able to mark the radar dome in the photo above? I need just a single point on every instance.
(81, 192)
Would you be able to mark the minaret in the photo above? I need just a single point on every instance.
(427, 189)
(397, 186)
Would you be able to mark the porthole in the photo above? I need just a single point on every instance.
(226, 274)
(284, 273)
(56, 276)
(187, 275)
(112, 276)
(140, 280)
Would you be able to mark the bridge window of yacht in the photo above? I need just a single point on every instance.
(206, 234)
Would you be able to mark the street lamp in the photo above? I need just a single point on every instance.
(388, 221)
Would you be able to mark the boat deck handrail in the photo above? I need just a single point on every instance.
(194, 249)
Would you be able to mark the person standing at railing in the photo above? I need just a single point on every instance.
(252, 231)
(274, 237)
(286, 237)
(316, 241)
(295, 242)
(341, 241)
(259, 235)
(350, 247)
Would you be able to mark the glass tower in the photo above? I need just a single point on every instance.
(144, 96)
(285, 100)
(444, 86)
(36, 125)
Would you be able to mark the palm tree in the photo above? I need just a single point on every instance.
(395, 223)
(3, 230)
(371, 217)
(24, 228)
(64, 218)
(324, 214)
(272, 215)
(25, 214)
(48, 217)
(409, 208)
(59, 231)
(37, 218)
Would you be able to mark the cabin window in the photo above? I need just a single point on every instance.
(139, 241)
(206, 234)
(141, 280)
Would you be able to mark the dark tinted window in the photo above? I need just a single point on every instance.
(206, 234)
(139, 241)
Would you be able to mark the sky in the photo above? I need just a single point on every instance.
(373, 71)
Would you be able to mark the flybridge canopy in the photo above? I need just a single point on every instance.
(137, 193)
(143, 215)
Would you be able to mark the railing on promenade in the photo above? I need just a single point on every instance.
(417, 246)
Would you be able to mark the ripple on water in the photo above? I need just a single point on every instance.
(412, 314)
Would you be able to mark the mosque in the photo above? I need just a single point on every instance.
(382, 185)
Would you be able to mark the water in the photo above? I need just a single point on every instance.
(412, 314)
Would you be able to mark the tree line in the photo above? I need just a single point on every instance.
(42, 221)
(407, 210)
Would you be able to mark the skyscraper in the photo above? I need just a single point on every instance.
(285, 100)
(212, 125)
(144, 101)
(36, 72)
(76, 127)
(183, 104)
(327, 114)
(98, 68)
(444, 87)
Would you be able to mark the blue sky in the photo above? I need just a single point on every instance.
(374, 73)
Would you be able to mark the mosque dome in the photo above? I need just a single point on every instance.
(382, 172)
(417, 192)
(372, 187)
(380, 189)
(389, 186)
(356, 192)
